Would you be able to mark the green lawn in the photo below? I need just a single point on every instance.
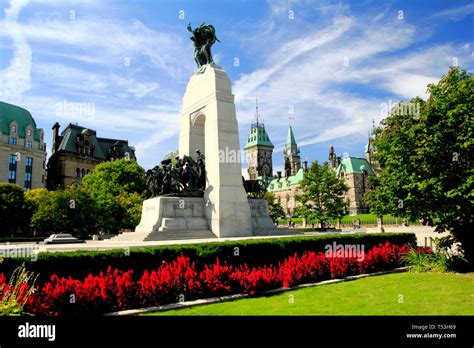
(365, 219)
(421, 294)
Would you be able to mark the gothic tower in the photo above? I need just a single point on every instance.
(291, 154)
(334, 160)
(332, 157)
(370, 148)
(259, 150)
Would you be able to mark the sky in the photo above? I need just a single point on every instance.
(327, 67)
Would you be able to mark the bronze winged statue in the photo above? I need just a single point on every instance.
(203, 38)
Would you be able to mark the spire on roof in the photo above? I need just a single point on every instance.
(257, 114)
(290, 139)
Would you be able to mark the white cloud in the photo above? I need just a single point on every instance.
(112, 41)
(455, 13)
(15, 79)
(285, 54)
(308, 74)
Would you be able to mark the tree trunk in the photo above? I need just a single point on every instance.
(466, 238)
(380, 223)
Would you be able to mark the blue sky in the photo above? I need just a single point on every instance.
(333, 62)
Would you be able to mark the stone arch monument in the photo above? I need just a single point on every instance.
(209, 124)
(208, 118)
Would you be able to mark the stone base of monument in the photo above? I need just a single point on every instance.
(173, 218)
(262, 223)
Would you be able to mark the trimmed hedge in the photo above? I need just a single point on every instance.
(256, 252)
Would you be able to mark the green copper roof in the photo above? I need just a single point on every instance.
(284, 184)
(290, 139)
(23, 118)
(258, 136)
(354, 165)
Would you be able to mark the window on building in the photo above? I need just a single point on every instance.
(13, 141)
(28, 172)
(12, 169)
(29, 144)
(28, 132)
(78, 173)
(13, 130)
(83, 172)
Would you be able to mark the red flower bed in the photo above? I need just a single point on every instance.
(181, 281)
(256, 280)
(382, 258)
(217, 279)
(114, 290)
(172, 282)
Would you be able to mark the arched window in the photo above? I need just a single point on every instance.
(83, 172)
(13, 129)
(78, 172)
(88, 171)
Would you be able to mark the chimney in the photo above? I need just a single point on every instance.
(55, 144)
(279, 174)
(305, 166)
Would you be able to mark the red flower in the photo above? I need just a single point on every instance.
(179, 280)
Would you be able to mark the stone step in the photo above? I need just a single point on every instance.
(179, 234)
(130, 237)
(188, 223)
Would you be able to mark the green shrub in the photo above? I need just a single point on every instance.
(425, 262)
(441, 260)
(256, 252)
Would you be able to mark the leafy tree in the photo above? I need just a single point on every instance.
(11, 207)
(118, 188)
(322, 194)
(172, 156)
(426, 159)
(131, 205)
(274, 209)
(33, 199)
(305, 211)
(64, 211)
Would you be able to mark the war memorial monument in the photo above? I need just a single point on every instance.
(202, 195)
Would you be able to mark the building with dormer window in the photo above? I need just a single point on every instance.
(77, 151)
(285, 186)
(259, 150)
(22, 148)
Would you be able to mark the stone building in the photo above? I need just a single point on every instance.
(291, 155)
(286, 186)
(356, 172)
(77, 151)
(259, 151)
(22, 148)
